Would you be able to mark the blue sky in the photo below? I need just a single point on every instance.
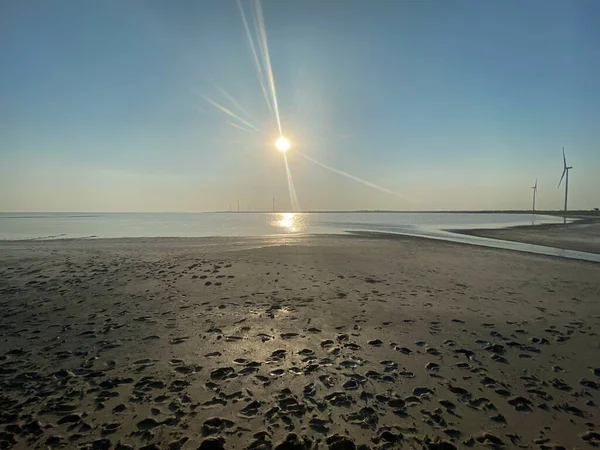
(451, 104)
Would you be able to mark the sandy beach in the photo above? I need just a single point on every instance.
(335, 342)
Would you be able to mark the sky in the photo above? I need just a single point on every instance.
(438, 105)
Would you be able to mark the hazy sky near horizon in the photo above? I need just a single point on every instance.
(452, 104)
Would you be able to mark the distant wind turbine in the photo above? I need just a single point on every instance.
(565, 171)
(534, 187)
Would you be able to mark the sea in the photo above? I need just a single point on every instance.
(118, 225)
(433, 225)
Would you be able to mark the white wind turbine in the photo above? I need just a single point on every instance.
(565, 171)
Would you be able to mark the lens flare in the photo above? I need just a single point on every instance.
(228, 112)
(355, 178)
(293, 196)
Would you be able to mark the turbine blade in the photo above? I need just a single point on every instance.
(561, 178)
(564, 158)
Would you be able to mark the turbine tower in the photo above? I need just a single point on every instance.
(565, 171)
(534, 187)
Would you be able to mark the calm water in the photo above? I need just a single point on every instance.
(430, 225)
(112, 225)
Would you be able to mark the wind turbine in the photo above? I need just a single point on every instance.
(565, 171)
(534, 187)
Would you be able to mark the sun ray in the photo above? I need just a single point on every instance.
(355, 178)
(228, 112)
(233, 101)
(290, 180)
(239, 127)
(259, 70)
(269, 70)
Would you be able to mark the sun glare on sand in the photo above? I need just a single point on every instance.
(282, 144)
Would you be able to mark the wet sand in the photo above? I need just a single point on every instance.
(583, 236)
(289, 343)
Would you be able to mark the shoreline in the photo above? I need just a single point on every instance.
(492, 244)
(548, 245)
(582, 235)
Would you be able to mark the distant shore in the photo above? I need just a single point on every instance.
(575, 214)
(582, 235)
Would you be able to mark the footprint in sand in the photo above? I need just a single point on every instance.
(215, 425)
(151, 338)
(214, 403)
(432, 366)
(119, 408)
(589, 384)
(351, 385)
(143, 361)
(222, 373)
(277, 356)
(250, 410)
(288, 335)
(592, 438)
(418, 391)
(178, 385)
(389, 364)
(147, 424)
(521, 403)
(348, 364)
(339, 399)
(327, 343)
(296, 371)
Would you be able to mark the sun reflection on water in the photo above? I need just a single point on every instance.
(290, 222)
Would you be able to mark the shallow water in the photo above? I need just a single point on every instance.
(18, 226)
(114, 225)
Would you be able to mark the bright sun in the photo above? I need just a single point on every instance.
(282, 144)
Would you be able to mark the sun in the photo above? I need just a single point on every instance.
(282, 144)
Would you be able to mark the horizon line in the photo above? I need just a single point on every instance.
(527, 211)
